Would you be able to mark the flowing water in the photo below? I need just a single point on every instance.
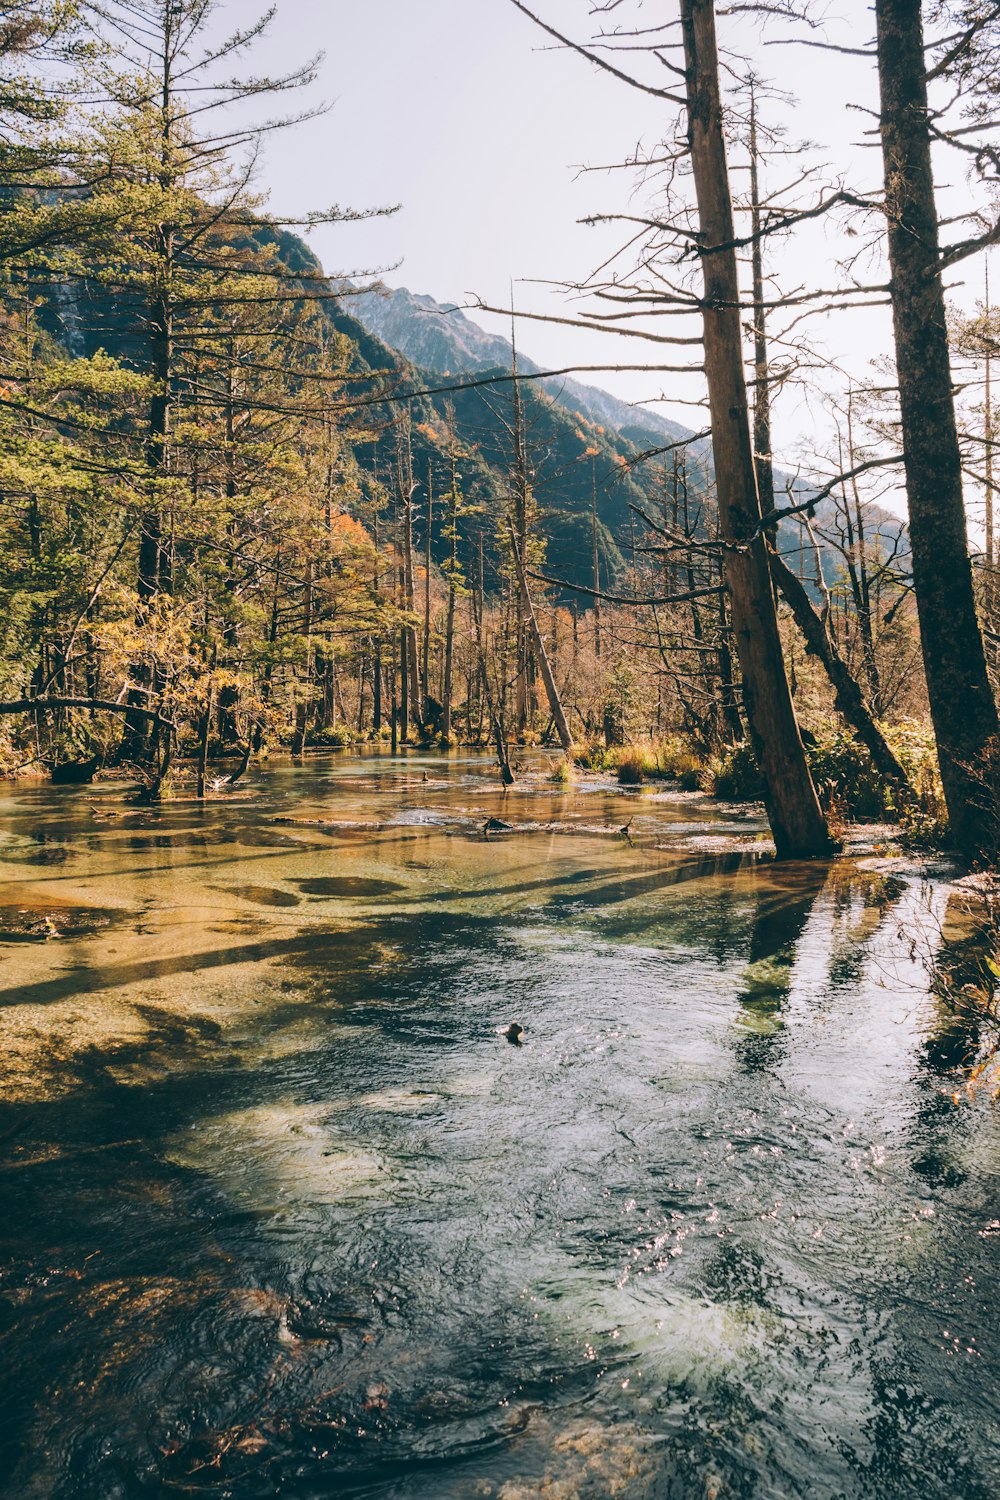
(284, 1213)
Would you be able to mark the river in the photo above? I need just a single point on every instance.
(284, 1212)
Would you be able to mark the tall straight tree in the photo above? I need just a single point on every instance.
(794, 813)
(962, 705)
(793, 808)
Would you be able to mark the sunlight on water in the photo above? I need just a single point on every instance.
(286, 1212)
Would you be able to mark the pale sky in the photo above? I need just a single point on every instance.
(463, 113)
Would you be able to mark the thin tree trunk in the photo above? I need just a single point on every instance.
(393, 703)
(761, 372)
(302, 707)
(551, 690)
(519, 535)
(409, 590)
(989, 592)
(426, 684)
(377, 668)
(449, 638)
(796, 819)
(503, 755)
(478, 600)
(597, 558)
(204, 731)
(958, 687)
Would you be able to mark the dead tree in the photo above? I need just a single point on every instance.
(548, 677)
(962, 706)
(796, 819)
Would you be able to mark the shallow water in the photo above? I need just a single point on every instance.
(284, 1213)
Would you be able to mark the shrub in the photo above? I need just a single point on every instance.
(565, 772)
(734, 776)
(846, 781)
(690, 775)
(332, 739)
(913, 743)
(593, 757)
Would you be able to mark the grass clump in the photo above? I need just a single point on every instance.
(669, 759)
(633, 766)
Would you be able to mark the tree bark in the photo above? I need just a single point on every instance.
(961, 700)
(793, 809)
(761, 371)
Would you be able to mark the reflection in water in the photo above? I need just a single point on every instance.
(782, 911)
(285, 1214)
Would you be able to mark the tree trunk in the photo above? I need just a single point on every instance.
(793, 809)
(302, 707)
(503, 755)
(961, 700)
(393, 702)
(426, 678)
(761, 372)
(449, 639)
(551, 690)
(849, 699)
(989, 593)
(410, 599)
(597, 558)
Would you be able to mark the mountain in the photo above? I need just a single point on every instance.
(438, 336)
(583, 443)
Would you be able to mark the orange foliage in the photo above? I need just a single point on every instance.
(346, 529)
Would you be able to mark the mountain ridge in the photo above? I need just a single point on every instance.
(405, 320)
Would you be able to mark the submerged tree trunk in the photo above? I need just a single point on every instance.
(961, 699)
(503, 755)
(793, 809)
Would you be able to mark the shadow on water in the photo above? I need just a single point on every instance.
(284, 1214)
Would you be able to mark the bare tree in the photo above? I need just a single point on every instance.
(962, 705)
